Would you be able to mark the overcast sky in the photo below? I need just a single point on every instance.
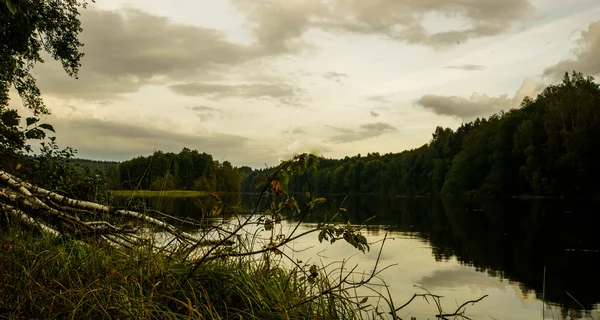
(255, 81)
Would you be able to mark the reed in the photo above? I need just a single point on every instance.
(46, 277)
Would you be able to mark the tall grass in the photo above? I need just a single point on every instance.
(48, 278)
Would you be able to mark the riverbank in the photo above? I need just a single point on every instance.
(65, 278)
(152, 193)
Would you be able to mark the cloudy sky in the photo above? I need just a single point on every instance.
(255, 81)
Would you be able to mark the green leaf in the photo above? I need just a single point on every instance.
(31, 120)
(11, 7)
(321, 235)
(364, 300)
(362, 239)
(268, 224)
(260, 185)
(319, 200)
(47, 127)
(308, 194)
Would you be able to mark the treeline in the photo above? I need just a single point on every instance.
(187, 170)
(93, 165)
(549, 146)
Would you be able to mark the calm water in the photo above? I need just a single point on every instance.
(464, 249)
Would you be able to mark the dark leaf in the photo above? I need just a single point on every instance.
(362, 239)
(47, 127)
(31, 120)
(10, 118)
(35, 133)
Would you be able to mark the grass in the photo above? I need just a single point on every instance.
(152, 193)
(50, 278)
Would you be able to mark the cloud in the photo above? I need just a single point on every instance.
(334, 76)
(299, 146)
(203, 109)
(467, 67)
(112, 140)
(586, 56)
(296, 130)
(380, 99)
(279, 23)
(129, 48)
(477, 105)
(365, 131)
(282, 92)
(374, 114)
(458, 277)
(205, 113)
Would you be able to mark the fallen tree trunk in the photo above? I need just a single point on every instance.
(53, 214)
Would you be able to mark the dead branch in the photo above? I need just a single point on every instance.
(460, 312)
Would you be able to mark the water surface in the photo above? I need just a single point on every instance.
(463, 249)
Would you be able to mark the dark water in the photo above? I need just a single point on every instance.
(510, 241)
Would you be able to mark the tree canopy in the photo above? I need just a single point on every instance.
(30, 29)
(187, 170)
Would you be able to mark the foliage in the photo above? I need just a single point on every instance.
(93, 165)
(27, 28)
(163, 183)
(187, 170)
(53, 169)
(546, 147)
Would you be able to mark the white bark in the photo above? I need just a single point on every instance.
(32, 194)
(25, 218)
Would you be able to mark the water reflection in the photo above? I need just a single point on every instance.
(507, 239)
(182, 207)
(494, 243)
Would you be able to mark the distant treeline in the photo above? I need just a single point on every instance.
(187, 170)
(93, 165)
(549, 146)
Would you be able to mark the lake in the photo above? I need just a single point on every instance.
(463, 249)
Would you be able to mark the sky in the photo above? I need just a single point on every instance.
(256, 81)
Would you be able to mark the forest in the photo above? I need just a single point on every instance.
(187, 170)
(549, 146)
